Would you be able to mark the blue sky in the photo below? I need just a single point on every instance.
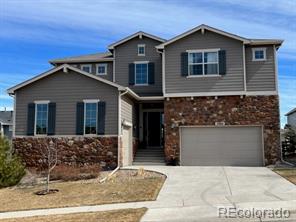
(32, 32)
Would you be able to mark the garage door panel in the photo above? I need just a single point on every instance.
(229, 146)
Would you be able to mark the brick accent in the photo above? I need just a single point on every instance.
(71, 150)
(233, 110)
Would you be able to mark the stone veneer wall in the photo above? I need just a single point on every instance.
(71, 150)
(233, 110)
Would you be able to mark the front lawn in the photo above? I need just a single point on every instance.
(124, 186)
(289, 174)
(125, 215)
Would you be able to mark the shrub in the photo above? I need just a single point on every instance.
(289, 144)
(11, 168)
(73, 173)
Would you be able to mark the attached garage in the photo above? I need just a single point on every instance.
(221, 146)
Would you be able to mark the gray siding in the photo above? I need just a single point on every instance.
(127, 53)
(66, 89)
(232, 81)
(109, 75)
(292, 119)
(129, 112)
(260, 74)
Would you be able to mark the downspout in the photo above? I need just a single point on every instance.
(119, 135)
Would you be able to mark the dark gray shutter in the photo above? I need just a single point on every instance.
(131, 69)
(222, 62)
(184, 64)
(101, 118)
(31, 119)
(151, 73)
(51, 118)
(79, 118)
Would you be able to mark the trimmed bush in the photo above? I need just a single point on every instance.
(11, 167)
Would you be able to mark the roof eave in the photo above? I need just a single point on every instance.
(111, 46)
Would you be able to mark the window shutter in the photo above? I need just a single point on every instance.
(184, 64)
(51, 118)
(222, 62)
(79, 118)
(131, 67)
(151, 73)
(101, 118)
(31, 119)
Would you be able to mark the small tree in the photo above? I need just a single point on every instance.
(11, 168)
(289, 144)
(50, 155)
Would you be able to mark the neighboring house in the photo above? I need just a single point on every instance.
(291, 118)
(6, 123)
(204, 97)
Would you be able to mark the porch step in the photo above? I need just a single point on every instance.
(148, 163)
(149, 156)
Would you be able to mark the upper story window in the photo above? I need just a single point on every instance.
(90, 117)
(86, 68)
(101, 69)
(259, 54)
(141, 73)
(141, 50)
(41, 118)
(203, 62)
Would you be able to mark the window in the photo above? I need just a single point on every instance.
(86, 68)
(259, 54)
(41, 118)
(141, 73)
(10, 128)
(141, 50)
(90, 117)
(203, 63)
(101, 69)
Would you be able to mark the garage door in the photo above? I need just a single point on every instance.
(221, 146)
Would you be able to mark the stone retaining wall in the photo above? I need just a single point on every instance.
(233, 110)
(71, 150)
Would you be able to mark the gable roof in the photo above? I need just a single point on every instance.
(54, 70)
(291, 112)
(96, 57)
(140, 33)
(218, 31)
(6, 117)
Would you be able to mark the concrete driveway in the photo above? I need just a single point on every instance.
(194, 193)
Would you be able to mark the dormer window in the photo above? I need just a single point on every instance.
(86, 68)
(259, 54)
(141, 50)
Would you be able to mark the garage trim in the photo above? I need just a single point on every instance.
(226, 126)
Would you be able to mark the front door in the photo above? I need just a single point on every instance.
(153, 128)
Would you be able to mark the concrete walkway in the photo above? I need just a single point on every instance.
(194, 193)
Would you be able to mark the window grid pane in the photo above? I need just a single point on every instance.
(203, 63)
(101, 69)
(90, 118)
(41, 118)
(141, 73)
(141, 50)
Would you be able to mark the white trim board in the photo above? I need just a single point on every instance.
(137, 34)
(234, 93)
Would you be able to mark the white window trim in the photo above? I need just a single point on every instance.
(87, 65)
(142, 45)
(35, 119)
(85, 101)
(203, 51)
(101, 64)
(253, 54)
(141, 62)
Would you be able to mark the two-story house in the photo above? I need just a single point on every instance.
(204, 97)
